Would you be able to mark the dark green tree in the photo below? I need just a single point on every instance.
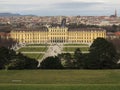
(16, 64)
(102, 55)
(31, 63)
(22, 62)
(68, 63)
(8, 43)
(10, 60)
(78, 56)
(5, 56)
(67, 60)
(51, 63)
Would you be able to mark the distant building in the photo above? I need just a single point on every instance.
(63, 23)
(4, 35)
(104, 23)
(4, 32)
(115, 15)
(111, 35)
(58, 35)
(117, 34)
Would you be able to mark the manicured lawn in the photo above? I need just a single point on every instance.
(33, 49)
(72, 49)
(37, 45)
(61, 76)
(60, 80)
(34, 55)
(76, 45)
(59, 87)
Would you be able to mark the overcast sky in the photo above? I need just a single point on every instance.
(61, 7)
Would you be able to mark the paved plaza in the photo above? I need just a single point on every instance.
(54, 50)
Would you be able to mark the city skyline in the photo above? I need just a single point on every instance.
(61, 7)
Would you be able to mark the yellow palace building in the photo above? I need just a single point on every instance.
(57, 35)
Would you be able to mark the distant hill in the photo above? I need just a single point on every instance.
(12, 14)
(9, 14)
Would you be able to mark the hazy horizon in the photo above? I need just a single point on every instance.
(61, 7)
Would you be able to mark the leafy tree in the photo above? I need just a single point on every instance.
(19, 64)
(5, 56)
(78, 56)
(31, 63)
(16, 64)
(68, 60)
(102, 55)
(10, 60)
(25, 62)
(8, 43)
(116, 43)
(51, 63)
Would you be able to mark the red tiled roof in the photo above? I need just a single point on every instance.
(117, 33)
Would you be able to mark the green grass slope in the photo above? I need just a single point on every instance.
(60, 80)
(61, 76)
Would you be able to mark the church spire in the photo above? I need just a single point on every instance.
(115, 13)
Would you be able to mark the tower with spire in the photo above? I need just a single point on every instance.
(63, 23)
(115, 13)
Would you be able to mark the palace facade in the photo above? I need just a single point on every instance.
(57, 35)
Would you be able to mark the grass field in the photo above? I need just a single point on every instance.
(34, 55)
(76, 45)
(72, 49)
(60, 80)
(37, 44)
(59, 87)
(33, 49)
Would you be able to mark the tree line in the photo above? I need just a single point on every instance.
(9, 59)
(7, 42)
(113, 28)
(102, 55)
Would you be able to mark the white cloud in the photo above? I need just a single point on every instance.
(31, 1)
(52, 1)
